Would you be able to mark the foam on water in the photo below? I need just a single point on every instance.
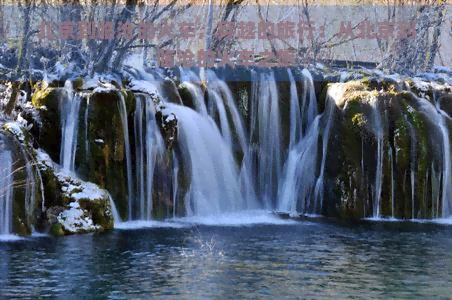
(243, 218)
(139, 224)
(10, 238)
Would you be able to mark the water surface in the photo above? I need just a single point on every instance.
(254, 261)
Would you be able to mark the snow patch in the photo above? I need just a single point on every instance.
(16, 129)
(75, 220)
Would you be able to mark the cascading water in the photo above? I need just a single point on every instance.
(187, 78)
(265, 131)
(224, 101)
(412, 167)
(214, 186)
(148, 143)
(175, 182)
(139, 157)
(441, 180)
(309, 107)
(6, 190)
(446, 176)
(125, 126)
(391, 162)
(334, 92)
(69, 122)
(299, 178)
(379, 166)
(299, 181)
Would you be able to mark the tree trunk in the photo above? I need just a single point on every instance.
(436, 34)
(12, 100)
(25, 38)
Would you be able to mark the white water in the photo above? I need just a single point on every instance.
(392, 181)
(265, 130)
(299, 179)
(299, 175)
(69, 129)
(188, 78)
(438, 117)
(114, 212)
(214, 186)
(447, 168)
(379, 165)
(148, 144)
(125, 126)
(6, 192)
(175, 182)
(334, 92)
(309, 107)
(139, 156)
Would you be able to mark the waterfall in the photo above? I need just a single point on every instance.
(296, 123)
(391, 161)
(86, 127)
(149, 144)
(187, 78)
(175, 183)
(309, 112)
(214, 186)
(6, 190)
(114, 211)
(334, 92)
(125, 126)
(69, 130)
(412, 175)
(154, 146)
(299, 179)
(446, 174)
(379, 165)
(139, 158)
(265, 131)
(224, 101)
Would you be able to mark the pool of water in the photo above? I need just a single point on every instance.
(282, 260)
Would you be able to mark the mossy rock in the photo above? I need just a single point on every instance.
(46, 96)
(26, 202)
(57, 230)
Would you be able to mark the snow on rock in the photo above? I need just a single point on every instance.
(76, 220)
(16, 129)
(76, 206)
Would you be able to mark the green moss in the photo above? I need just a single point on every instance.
(57, 230)
(359, 119)
(46, 96)
(129, 98)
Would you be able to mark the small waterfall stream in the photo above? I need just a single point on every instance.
(6, 190)
(446, 175)
(69, 122)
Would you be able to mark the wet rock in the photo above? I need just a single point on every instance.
(73, 206)
(25, 188)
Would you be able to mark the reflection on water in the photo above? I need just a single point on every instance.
(301, 261)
